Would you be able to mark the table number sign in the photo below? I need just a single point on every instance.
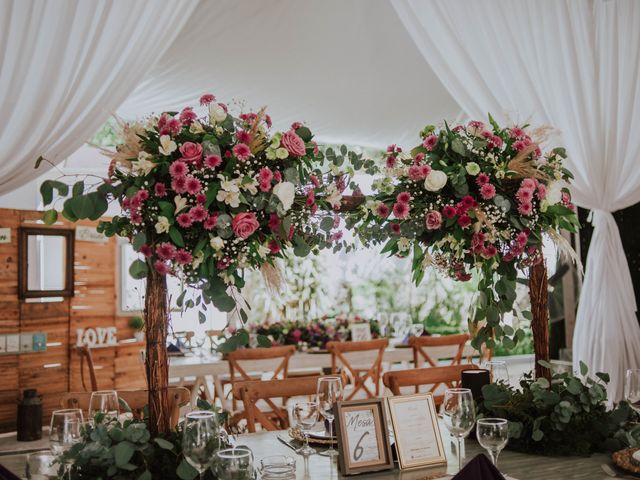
(416, 431)
(363, 442)
(360, 332)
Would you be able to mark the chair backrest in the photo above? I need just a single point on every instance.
(420, 346)
(338, 352)
(434, 376)
(85, 356)
(252, 391)
(136, 399)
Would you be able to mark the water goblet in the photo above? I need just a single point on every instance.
(105, 402)
(200, 439)
(492, 435)
(329, 392)
(305, 415)
(632, 388)
(497, 370)
(234, 464)
(459, 415)
(417, 329)
(65, 431)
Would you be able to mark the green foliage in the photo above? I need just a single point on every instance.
(136, 323)
(568, 416)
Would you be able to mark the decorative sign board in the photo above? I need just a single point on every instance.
(5, 235)
(90, 234)
(96, 337)
(416, 431)
(360, 332)
(14, 343)
(363, 442)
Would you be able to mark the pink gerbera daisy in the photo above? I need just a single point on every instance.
(179, 184)
(210, 222)
(401, 210)
(243, 136)
(525, 208)
(449, 211)
(242, 152)
(490, 251)
(160, 189)
(198, 213)
(487, 191)
(212, 161)
(166, 251)
(265, 175)
(391, 161)
(468, 201)
(178, 169)
(482, 178)
(201, 198)
(403, 197)
(184, 220)
(430, 142)
(464, 220)
(524, 195)
(183, 257)
(187, 115)
(382, 210)
(161, 267)
(193, 185)
(395, 228)
(207, 98)
(146, 250)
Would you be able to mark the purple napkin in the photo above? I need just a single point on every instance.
(480, 468)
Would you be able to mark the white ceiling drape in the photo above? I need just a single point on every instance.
(576, 66)
(66, 66)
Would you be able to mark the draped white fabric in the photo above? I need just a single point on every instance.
(576, 66)
(66, 66)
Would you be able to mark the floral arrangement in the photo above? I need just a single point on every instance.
(567, 416)
(475, 196)
(312, 333)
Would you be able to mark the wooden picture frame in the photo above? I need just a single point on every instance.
(23, 262)
(417, 435)
(363, 436)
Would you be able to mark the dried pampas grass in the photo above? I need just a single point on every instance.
(565, 250)
(273, 278)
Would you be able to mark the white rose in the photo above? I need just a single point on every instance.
(216, 113)
(285, 191)
(554, 192)
(435, 181)
(217, 243)
(163, 225)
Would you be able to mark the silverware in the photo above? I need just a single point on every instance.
(289, 444)
(612, 473)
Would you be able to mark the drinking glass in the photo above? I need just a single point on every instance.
(200, 439)
(459, 415)
(383, 321)
(277, 467)
(40, 466)
(234, 464)
(417, 329)
(305, 415)
(401, 325)
(65, 429)
(493, 435)
(497, 370)
(329, 392)
(632, 389)
(105, 402)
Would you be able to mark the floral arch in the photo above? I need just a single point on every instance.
(206, 195)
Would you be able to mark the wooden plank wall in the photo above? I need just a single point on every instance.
(94, 305)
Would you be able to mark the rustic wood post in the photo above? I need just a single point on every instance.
(157, 367)
(539, 294)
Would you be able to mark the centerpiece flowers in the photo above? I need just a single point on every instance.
(476, 196)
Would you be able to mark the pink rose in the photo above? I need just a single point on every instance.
(293, 143)
(191, 152)
(433, 220)
(244, 224)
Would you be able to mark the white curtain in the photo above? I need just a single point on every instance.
(65, 66)
(576, 66)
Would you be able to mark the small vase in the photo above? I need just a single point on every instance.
(139, 336)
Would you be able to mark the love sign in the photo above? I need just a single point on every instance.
(96, 337)
(361, 428)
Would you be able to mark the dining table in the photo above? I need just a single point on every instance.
(516, 466)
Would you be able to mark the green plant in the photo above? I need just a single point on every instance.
(567, 416)
(136, 323)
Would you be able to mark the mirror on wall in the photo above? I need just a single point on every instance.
(45, 266)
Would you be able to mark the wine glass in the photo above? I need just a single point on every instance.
(417, 329)
(234, 464)
(200, 439)
(329, 392)
(65, 431)
(305, 415)
(105, 402)
(498, 371)
(384, 322)
(492, 435)
(459, 415)
(632, 388)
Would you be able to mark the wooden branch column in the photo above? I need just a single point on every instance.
(539, 294)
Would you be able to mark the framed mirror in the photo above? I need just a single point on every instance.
(45, 263)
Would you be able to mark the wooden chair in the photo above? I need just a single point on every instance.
(338, 352)
(434, 376)
(421, 344)
(136, 399)
(85, 356)
(251, 392)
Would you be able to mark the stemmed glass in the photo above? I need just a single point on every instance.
(459, 415)
(329, 392)
(65, 431)
(105, 402)
(417, 329)
(200, 439)
(632, 388)
(493, 435)
(498, 371)
(234, 464)
(402, 325)
(305, 415)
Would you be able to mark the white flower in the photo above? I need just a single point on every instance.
(198, 259)
(250, 186)
(554, 192)
(435, 181)
(286, 192)
(282, 153)
(334, 197)
(230, 198)
(167, 146)
(180, 203)
(217, 243)
(404, 244)
(216, 113)
(226, 278)
(196, 127)
(163, 225)
(219, 130)
(472, 168)
(142, 165)
(229, 185)
(263, 250)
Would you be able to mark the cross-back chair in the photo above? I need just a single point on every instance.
(135, 399)
(420, 346)
(435, 376)
(339, 351)
(85, 356)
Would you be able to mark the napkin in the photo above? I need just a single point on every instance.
(480, 468)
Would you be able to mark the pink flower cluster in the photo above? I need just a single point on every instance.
(402, 208)
(529, 189)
